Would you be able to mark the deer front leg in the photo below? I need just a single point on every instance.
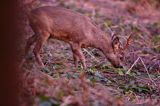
(75, 57)
(82, 58)
(77, 54)
(40, 41)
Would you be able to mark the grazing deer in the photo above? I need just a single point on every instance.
(72, 27)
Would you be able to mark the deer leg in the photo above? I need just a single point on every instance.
(77, 54)
(82, 58)
(30, 41)
(40, 41)
(75, 57)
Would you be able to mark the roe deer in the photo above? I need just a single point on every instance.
(72, 27)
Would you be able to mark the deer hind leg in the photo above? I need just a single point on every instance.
(40, 41)
(30, 42)
(77, 54)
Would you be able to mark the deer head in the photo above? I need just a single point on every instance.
(118, 48)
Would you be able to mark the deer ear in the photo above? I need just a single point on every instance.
(116, 43)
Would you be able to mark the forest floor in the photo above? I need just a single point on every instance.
(61, 84)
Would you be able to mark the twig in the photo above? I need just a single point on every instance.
(139, 58)
(92, 50)
(93, 57)
(132, 65)
(147, 72)
(112, 32)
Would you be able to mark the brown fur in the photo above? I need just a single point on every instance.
(69, 26)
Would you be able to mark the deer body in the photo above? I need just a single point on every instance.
(69, 26)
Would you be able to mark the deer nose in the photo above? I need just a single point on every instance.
(119, 66)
